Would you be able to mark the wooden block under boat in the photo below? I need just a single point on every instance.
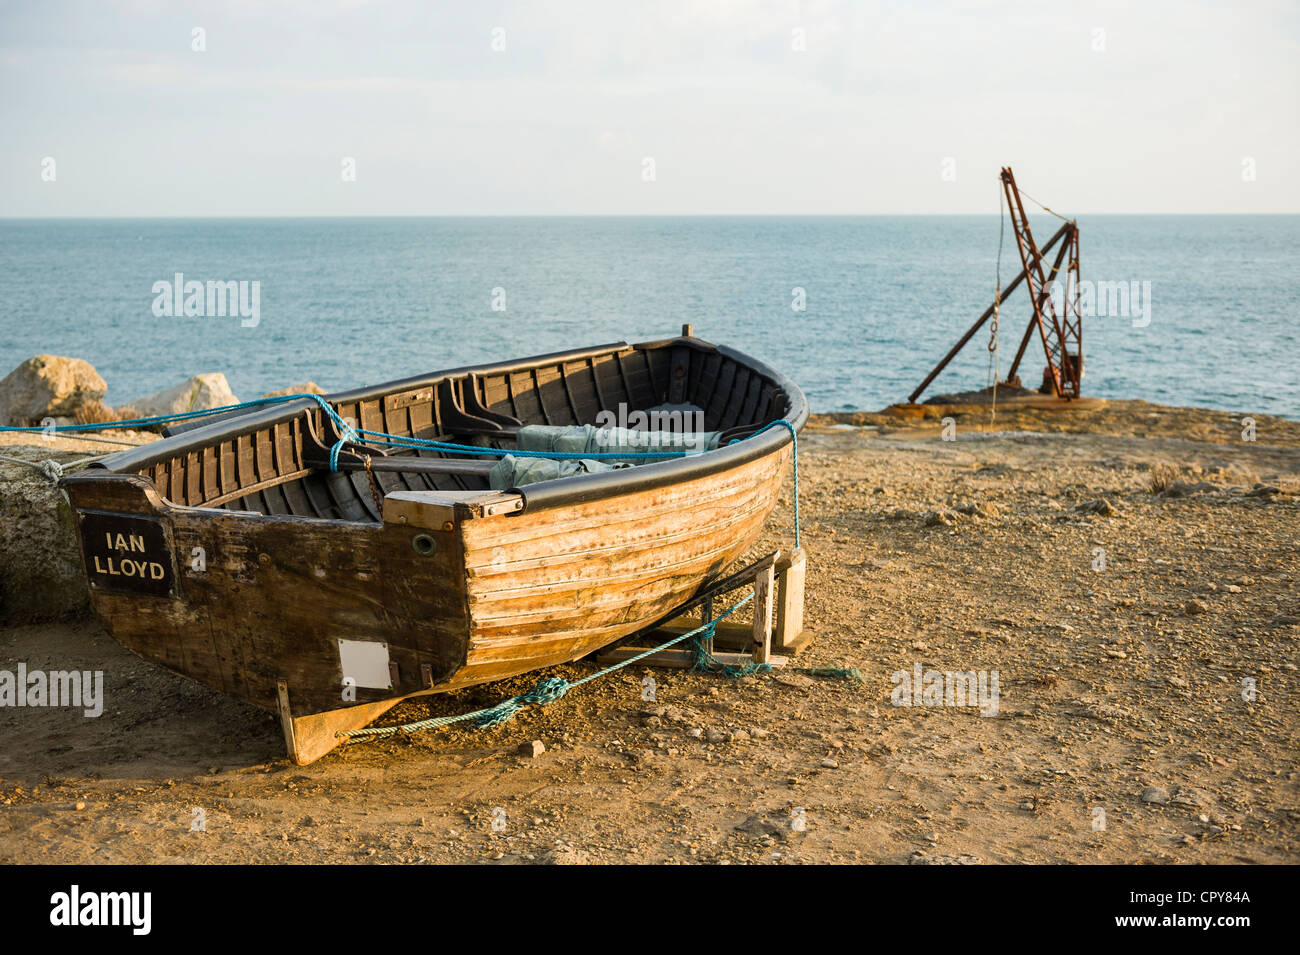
(681, 659)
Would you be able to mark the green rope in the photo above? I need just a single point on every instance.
(706, 662)
(552, 688)
(546, 691)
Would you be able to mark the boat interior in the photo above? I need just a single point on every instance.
(282, 467)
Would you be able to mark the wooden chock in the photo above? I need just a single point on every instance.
(741, 643)
(286, 719)
(763, 615)
(308, 738)
(790, 635)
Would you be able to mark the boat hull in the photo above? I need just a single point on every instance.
(498, 596)
(437, 588)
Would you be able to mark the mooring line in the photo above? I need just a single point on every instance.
(547, 690)
(351, 435)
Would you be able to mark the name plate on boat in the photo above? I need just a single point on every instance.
(127, 553)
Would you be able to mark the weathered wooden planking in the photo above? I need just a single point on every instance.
(277, 593)
(348, 580)
(457, 585)
(565, 616)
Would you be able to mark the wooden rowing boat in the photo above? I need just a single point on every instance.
(231, 553)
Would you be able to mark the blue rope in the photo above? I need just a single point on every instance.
(383, 437)
(132, 423)
(350, 435)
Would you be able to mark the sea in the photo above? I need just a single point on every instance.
(1185, 310)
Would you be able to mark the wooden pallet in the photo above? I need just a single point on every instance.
(776, 633)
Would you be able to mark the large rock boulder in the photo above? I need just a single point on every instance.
(49, 386)
(306, 388)
(40, 565)
(197, 394)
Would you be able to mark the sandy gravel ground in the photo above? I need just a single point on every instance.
(1145, 645)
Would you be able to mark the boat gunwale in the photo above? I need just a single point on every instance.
(566, 491)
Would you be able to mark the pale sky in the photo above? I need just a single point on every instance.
(1144, 107)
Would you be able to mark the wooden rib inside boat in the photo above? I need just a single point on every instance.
(232, 553)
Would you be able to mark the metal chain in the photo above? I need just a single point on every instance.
(997, 308)
(374, 488)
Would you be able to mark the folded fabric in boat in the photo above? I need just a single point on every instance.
(589, 439)
(511, 471)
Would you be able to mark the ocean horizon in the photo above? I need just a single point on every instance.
(1191, 309)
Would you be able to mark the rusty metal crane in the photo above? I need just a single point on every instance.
(1061, 332)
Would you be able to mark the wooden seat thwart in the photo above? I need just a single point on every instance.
(436, 508)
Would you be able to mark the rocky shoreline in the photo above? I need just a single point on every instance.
(40, 567)
(1129, 570)
(53, 389)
